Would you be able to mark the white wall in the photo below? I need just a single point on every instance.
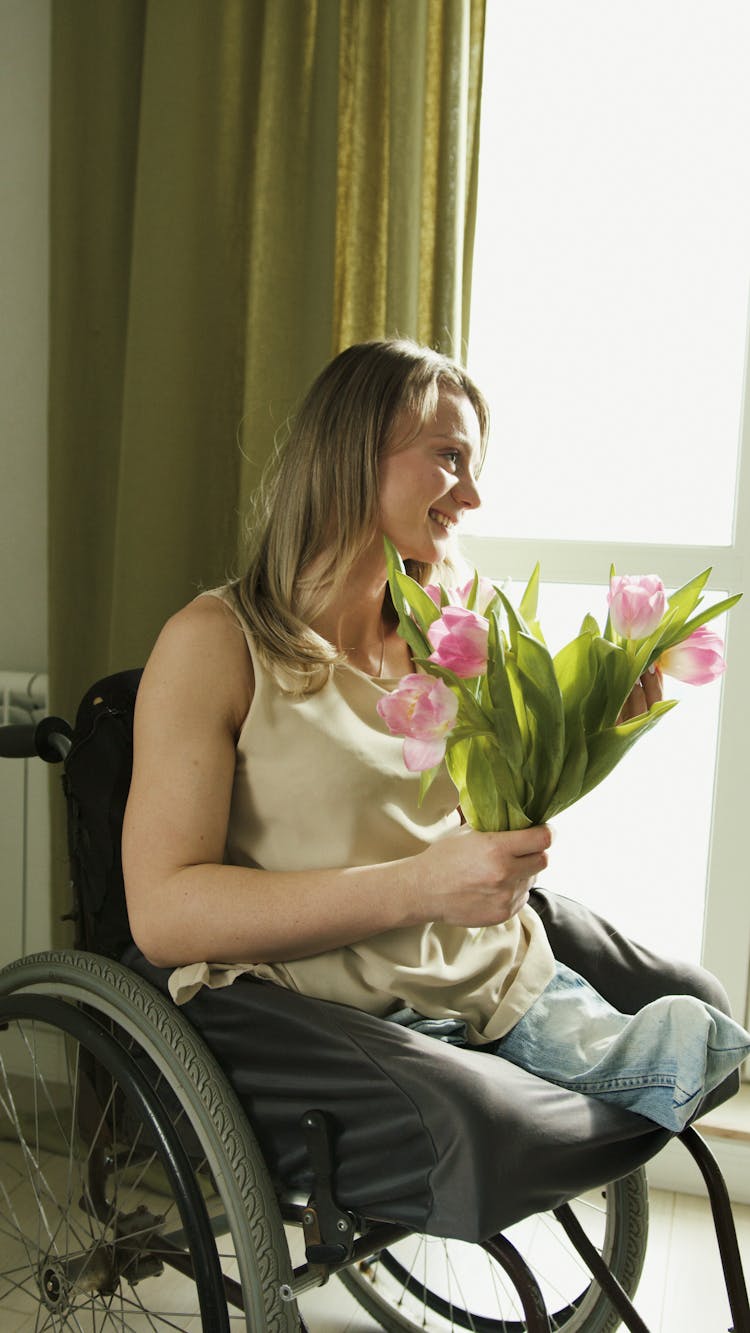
(24, 282)
(24, 289)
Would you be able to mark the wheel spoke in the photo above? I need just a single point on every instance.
(78, 1177)
(457, 1293)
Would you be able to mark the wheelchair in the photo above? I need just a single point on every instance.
(133, 1191)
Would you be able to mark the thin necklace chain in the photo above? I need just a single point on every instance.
(376, 675)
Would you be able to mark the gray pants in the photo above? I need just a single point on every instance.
(447, 1141)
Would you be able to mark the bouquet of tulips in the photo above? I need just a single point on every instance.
(524, 733)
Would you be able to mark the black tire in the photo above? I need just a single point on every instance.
(424, 1285)
(207, 1120)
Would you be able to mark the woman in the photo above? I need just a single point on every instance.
(273, 831)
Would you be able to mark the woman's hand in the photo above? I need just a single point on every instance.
(481, 879)
(646, 691)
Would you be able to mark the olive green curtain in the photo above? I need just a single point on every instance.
(375, 235)
(409, 88)
(239, 188)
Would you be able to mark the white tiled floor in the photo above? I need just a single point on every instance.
(681, 1290)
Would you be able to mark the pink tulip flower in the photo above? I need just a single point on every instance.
(423, 709)
(460, 596)
(459, 638)
(697, 660)
(637, 603)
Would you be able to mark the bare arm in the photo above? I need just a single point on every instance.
(186, 905)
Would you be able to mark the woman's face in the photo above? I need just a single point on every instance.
(427, 484)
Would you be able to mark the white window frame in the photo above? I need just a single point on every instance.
(726, 936)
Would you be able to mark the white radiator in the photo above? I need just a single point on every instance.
(24, 826)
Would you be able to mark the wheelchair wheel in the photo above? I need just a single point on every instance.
(438, 1286)
(77, 1233)
(127, 1164)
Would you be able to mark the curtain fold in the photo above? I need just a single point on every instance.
(409, 101)
(239, 188)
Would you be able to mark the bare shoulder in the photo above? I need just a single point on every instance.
(200, 663)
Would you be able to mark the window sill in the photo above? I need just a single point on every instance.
(730, 1121)
(727, 1134)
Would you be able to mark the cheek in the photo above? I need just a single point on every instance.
(398, 485)
(409, 485)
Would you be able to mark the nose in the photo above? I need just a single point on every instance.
(466, 492)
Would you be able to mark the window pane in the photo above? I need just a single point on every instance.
(611, 268)
(635, 849)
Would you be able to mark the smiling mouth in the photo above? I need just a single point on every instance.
(448, 524)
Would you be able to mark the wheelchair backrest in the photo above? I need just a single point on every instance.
(96, 781)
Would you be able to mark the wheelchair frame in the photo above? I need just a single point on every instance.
(111, 1012)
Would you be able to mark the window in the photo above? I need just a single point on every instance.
(609, 315)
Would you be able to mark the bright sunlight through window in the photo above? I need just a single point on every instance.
(608, 330)
(611, 267)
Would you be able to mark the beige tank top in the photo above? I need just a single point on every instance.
(319, 783)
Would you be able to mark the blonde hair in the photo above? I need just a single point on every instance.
(319, 499)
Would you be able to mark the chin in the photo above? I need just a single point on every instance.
(428, 556)
(429, 550)
(446, 549)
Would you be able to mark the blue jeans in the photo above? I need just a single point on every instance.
(659, 1062)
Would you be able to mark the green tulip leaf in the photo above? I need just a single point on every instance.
(703, 617)
(670, 630)
(620, 674)
(575, 670)
(464, 732)
(471, 601)
(515, 687)
(501, 696)
(595, 697)
(573, 770)
(488, 771)
(420, 603)
(609, 633)
(480, 781)
(455, 761)
(528, 603)
(607, 748)
(544, 709)
(508, 781)
(516, 623)
(527, 607)
(426, 779)
(408, 629)
(686, 598)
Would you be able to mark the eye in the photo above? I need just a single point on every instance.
(453, 456)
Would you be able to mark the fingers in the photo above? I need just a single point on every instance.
(528, 841)
(516, 845)
(522, 853)
(634, 705)
(652, 686)
(479, 878)
(647, 691)
(535, 856)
